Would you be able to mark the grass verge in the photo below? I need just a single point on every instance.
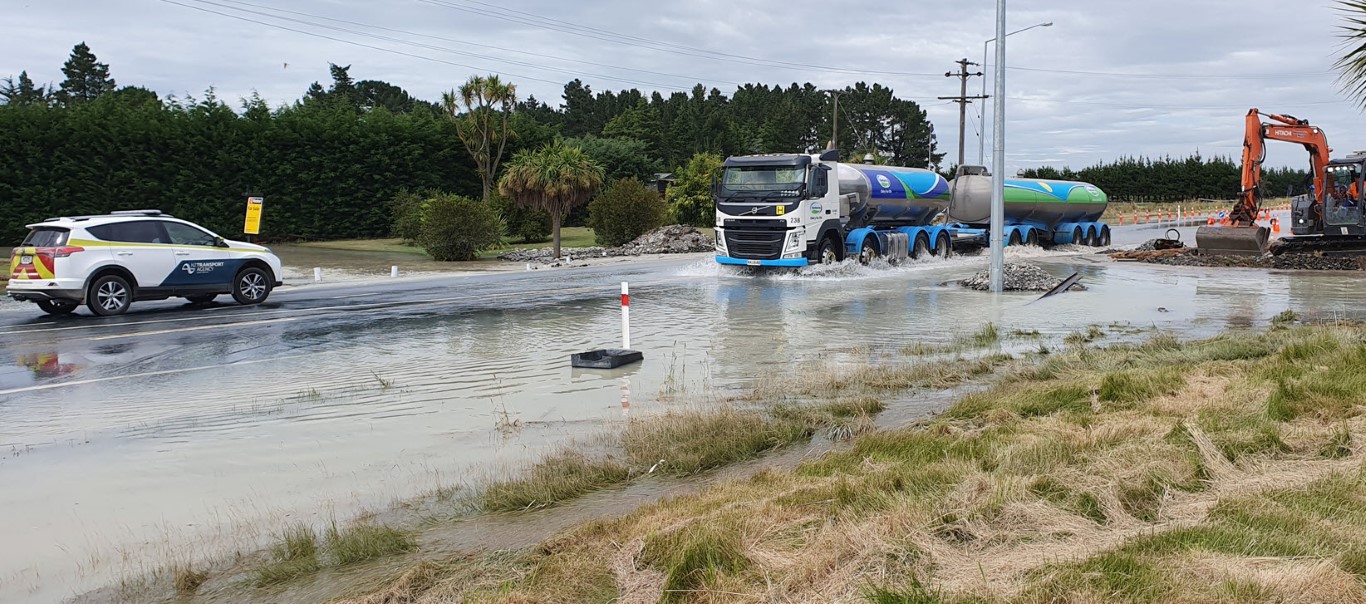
(1217, 470)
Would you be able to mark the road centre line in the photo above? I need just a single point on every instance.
(136, 334)
(323, 309)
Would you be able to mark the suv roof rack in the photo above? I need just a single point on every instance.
(114, 213)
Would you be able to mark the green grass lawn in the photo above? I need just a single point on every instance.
(569, 237)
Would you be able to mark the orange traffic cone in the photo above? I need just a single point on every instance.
(1275, 226)
(1209, 221)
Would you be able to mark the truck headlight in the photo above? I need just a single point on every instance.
(720, 244)
(794, 240)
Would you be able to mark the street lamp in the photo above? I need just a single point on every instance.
(981, 109)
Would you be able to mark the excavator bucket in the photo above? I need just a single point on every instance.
(1231, 240)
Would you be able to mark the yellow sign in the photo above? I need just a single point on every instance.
(781, 209)
(254, 205)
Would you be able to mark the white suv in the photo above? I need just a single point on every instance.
(109, 261)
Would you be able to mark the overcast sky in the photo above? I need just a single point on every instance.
(1110, 78)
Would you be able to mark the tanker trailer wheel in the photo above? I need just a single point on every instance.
(1078, 237)
(827, 253)
(868, 253)
(1032, 239)
(921, 248)
(1104, 237)
(1014, 239)
(942, 247)
(1092, 238)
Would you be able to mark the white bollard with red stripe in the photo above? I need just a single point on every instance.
(625, 316)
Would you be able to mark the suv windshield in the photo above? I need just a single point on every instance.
(45, 237)
(762, 181)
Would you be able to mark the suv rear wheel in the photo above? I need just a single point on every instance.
(250, 286)
(109, 295)
(58, 307)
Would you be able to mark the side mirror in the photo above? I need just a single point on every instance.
(830, 155)
(220, 242)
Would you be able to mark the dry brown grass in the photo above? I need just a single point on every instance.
(1139, 473)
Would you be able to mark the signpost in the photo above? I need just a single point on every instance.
(253, 226)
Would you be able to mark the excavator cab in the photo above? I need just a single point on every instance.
(1342, 204)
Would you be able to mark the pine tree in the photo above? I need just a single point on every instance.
(86, 78)
(23, 92)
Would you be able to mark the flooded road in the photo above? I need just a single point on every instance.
(171, 434)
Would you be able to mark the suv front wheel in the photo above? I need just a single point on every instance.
(109, 295)
(251, 286)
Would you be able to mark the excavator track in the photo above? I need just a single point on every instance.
(1322, 246)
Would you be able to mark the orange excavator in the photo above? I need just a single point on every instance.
(1243, 237)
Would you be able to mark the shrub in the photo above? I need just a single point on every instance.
(689, 197)
(626, 210)
(524, 225)
(406, 208)
(458, 228)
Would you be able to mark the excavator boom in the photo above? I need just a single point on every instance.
(1243, 237)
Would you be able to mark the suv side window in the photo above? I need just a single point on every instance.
(184, 234)
(133, 231)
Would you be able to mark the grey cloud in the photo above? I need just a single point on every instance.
(1054, 118)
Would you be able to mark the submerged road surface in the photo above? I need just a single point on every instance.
(174, 433)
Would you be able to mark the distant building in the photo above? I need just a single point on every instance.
(662, 182)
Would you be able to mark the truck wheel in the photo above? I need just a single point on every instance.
(1078, 237)
(1092, 239)
(109, 295)
(921, 247)
(869, 251)
(942, 247)
(58, 307)
(1014, 239)
(1104, 237)
(826, 253)
(1032, 239)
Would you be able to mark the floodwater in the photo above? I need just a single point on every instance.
(320, 417)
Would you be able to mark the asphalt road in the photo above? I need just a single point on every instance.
(299, 318)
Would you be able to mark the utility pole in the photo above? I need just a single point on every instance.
(962, 99)
(835, 123)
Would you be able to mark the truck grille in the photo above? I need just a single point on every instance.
(756, 245)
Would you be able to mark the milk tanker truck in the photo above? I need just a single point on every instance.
(793, 210)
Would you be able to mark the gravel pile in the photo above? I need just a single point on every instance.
(1283, 262)
(1017, 277)
(673, 239)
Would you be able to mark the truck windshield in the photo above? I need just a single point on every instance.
(762, 181)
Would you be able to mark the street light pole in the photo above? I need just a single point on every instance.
(998, 160)
(981, 109)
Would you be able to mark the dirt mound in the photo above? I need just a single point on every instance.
(672, 239)
(1017, 277)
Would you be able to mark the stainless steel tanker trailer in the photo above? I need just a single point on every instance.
(792, 210)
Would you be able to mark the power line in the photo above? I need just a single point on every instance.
(656, 45)
(1178, 76)
(354, 43)
(477, 45)
(437, 48)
